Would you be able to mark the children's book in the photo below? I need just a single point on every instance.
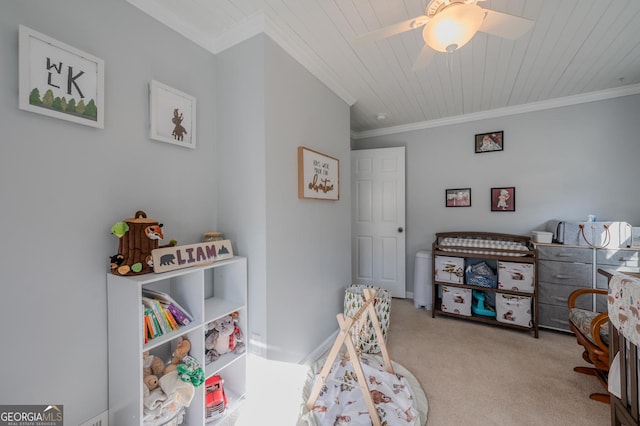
(166, 299)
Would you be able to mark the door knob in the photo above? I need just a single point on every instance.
(400, 229)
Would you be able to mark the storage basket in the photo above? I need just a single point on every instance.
(353, 301)
(487, 281)
(456, 300)
(512, 309)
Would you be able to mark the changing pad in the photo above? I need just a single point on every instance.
(474, 244)
(399, 398)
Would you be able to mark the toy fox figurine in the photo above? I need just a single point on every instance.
(154, 232)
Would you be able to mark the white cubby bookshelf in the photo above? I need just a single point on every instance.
(207, 293)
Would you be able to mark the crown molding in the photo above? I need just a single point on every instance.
(296, 48)
(503, 112)
(160, 14)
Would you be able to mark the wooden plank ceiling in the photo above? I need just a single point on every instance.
(575, 47)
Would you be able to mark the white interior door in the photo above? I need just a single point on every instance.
(378, 218)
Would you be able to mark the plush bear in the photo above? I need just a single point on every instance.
(217, 341)
(182, 350)
(152, 369)
(223, 336)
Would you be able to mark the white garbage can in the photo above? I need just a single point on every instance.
(422, 293)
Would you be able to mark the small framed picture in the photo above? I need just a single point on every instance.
(489, 142)
(503, 199)
(173, 115)
(460, 197)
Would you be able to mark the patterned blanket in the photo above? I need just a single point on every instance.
(624, 305)
(341, 401)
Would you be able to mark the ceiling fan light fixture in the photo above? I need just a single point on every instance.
(453, 27)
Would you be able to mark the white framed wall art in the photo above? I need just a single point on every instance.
(173, 115)
(60, 81)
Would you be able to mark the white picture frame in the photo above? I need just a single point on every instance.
(172, 115)
(58, 80)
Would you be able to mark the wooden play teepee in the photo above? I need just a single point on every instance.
(348, 327)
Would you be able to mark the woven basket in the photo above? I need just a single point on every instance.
(353, 300)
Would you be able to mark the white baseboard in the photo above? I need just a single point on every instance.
(101, 419)
(326, 345)
(320, 350)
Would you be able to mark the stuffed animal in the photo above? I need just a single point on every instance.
(237, 345)
(217, 341)
(152, 369)
(223, 335)
(182, 350)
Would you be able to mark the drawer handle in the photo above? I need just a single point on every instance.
(564, 255)
(560, 299)
(559, 321)
(562, 276)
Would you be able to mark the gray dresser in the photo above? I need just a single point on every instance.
(564, 268)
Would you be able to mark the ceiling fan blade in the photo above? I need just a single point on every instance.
(424, 59)
(391, 30)
(505, 25)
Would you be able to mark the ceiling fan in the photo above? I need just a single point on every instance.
(450, 24)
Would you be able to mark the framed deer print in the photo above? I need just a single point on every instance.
(173, 115)
(60, 81)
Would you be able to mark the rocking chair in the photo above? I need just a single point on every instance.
(592, 332)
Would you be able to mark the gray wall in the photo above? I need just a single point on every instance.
(298, 250)
(565, 163)
(62, 186)
(241, 167)
(308, 241)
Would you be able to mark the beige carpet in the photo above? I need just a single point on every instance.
(473, 375)
(477, 374)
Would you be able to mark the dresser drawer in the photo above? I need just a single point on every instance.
(603, 282)
(558, 295)
(565, 273)
(553, 316)
(620, 257)
(562, 253)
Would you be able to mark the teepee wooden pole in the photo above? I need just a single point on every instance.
(362, 379)
(345, 324)
(333, 354)
(369, 294)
